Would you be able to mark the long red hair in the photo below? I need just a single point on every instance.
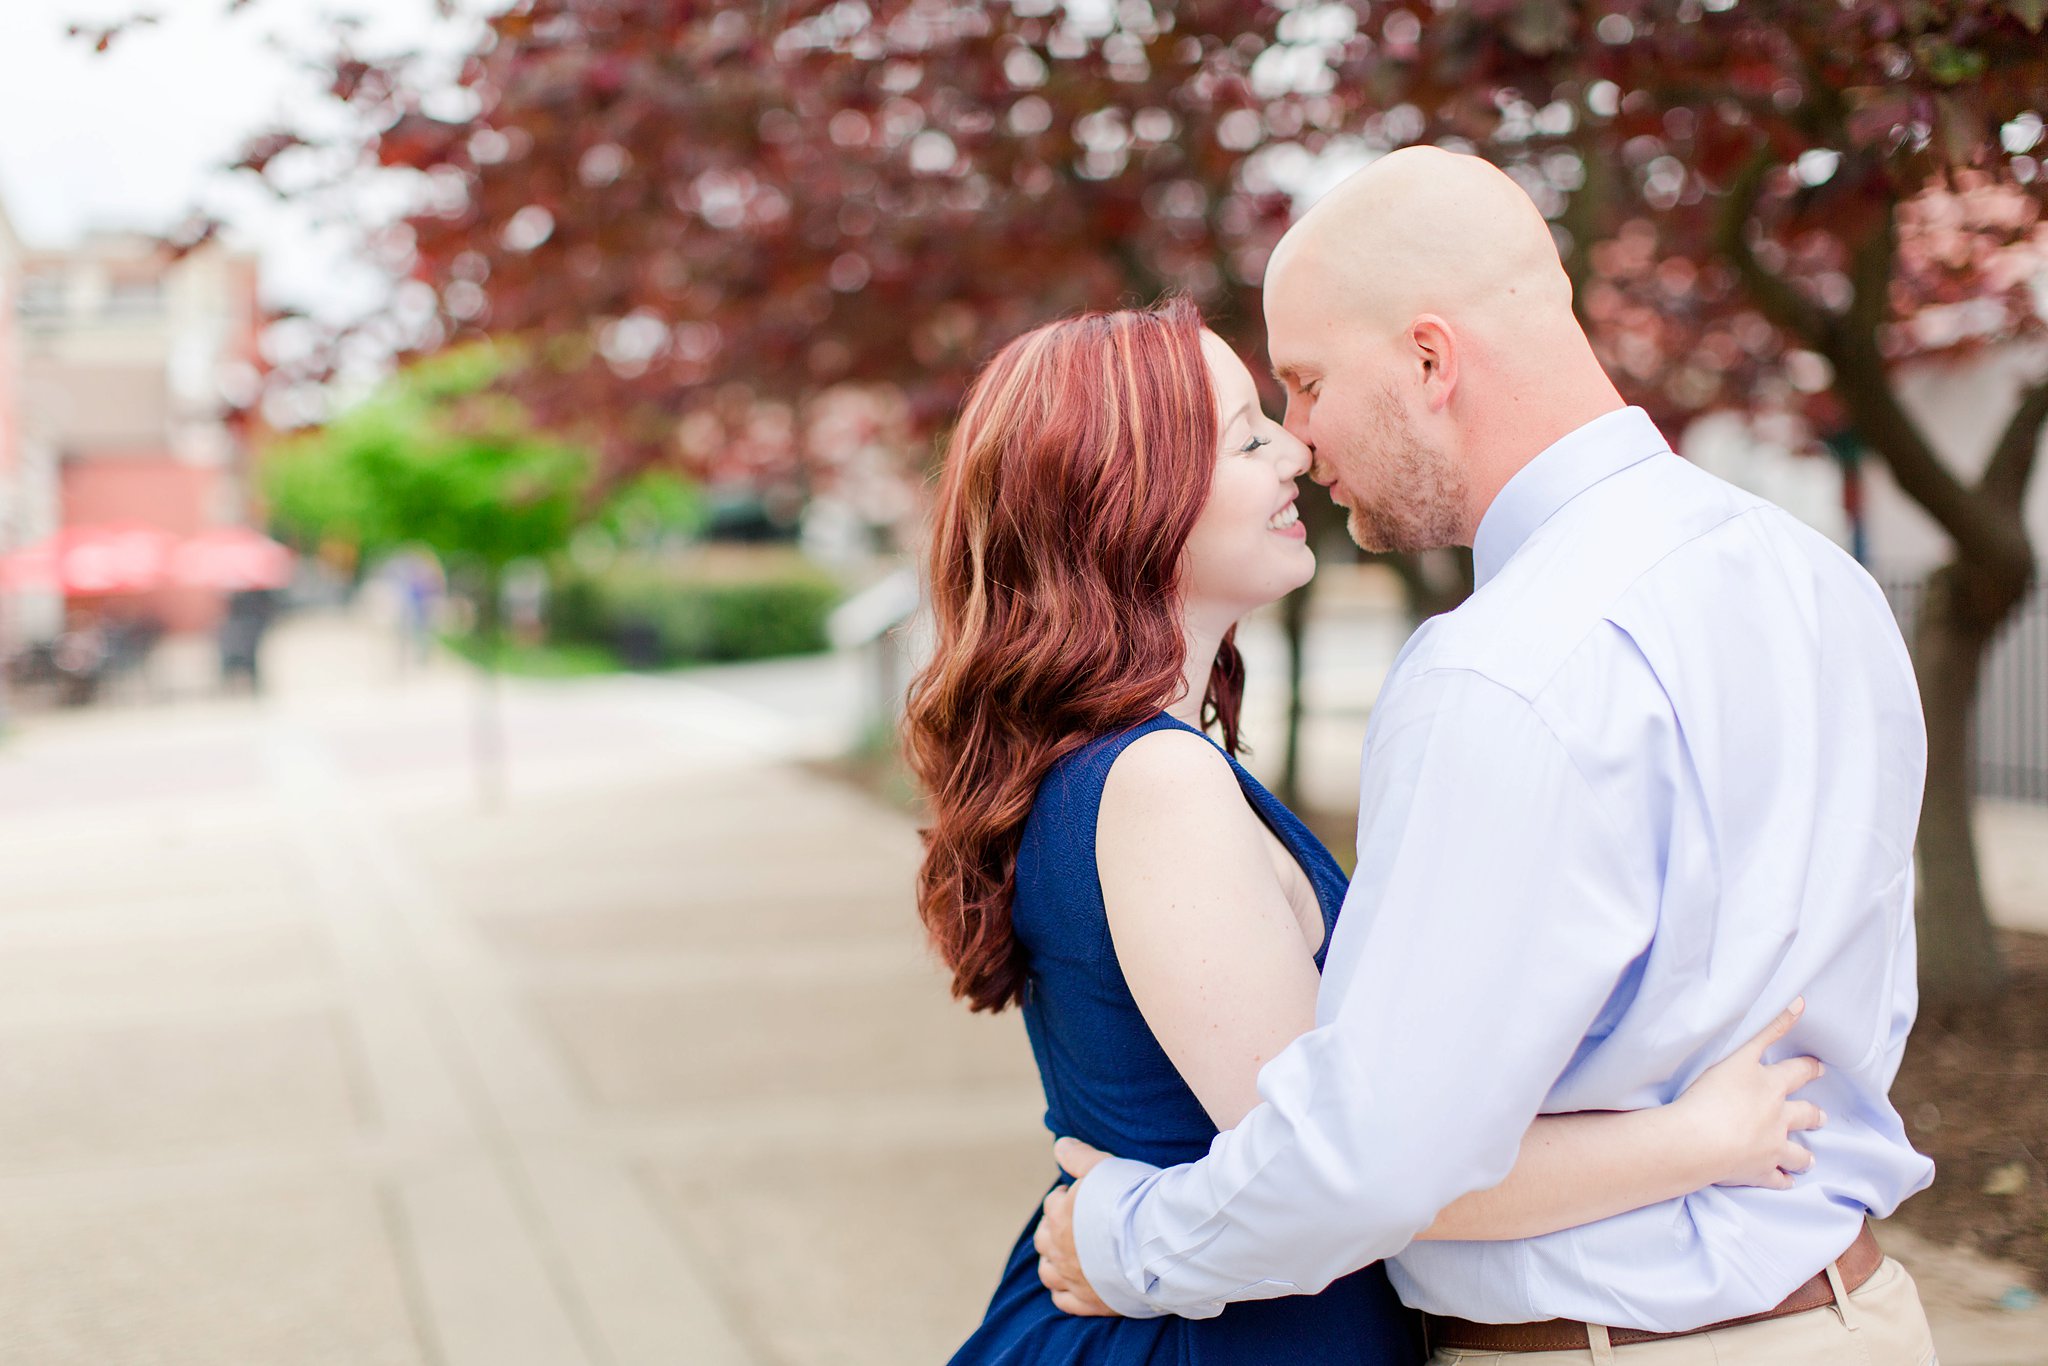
(1083, 455)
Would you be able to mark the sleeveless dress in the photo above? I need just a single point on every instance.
(1108, 1083)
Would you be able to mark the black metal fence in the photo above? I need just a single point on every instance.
(2012, 700)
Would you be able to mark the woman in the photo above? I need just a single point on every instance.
(1113, 503)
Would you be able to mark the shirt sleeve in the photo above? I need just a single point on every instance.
(1494, 911)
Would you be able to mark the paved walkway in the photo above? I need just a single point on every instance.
(306, 1058)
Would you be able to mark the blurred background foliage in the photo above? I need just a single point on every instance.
(444, 458)
(707, 224)
(656, 612)
(438, 458)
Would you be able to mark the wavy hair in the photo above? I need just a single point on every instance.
(1082, 457)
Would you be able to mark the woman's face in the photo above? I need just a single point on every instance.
(1248, 546)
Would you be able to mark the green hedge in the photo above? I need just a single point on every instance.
(654, 615)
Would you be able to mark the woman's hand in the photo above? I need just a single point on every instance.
(1741, 1109)
(1733, 1126)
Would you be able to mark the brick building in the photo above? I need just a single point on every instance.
(28, 479)
(10, 382)
(129, 362)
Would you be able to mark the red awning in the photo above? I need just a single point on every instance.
(90, 561)
(86, 561)
(232, 558)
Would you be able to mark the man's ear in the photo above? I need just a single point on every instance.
(1435, 348)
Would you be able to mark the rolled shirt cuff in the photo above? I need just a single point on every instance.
(1100, 1202)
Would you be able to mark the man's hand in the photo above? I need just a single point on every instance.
(1059, 1263)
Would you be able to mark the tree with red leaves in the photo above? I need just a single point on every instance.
(688, 208)
(700, 208)
(696, 205)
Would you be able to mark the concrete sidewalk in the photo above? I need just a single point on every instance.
(307, 1059)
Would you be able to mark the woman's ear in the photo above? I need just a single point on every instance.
(1436, 356)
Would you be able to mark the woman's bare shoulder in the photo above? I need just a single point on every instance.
(1168, 778)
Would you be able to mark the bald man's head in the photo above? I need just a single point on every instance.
(1420, 319)
(1422, 230)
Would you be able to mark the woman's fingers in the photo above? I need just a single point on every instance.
(1776, 1029)
(1804, 1114)
(1795, 1158)
(1069, 1303)
(1794, 1073)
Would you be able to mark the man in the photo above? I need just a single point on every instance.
(1656, 778)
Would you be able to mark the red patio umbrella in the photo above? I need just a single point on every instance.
(87, 561)
(232, 558)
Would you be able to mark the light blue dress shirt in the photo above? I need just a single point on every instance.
(1656, 778)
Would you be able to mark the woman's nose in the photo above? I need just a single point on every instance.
(1295, 457)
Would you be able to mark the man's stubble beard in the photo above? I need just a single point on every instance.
(1417, 498)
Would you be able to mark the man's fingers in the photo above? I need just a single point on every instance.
(1777, 1029)
(1076, 1158)
(1059, 1268)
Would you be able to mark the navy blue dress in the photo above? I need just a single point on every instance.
(1108, 1083)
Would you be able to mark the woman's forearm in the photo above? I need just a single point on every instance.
(1575, 1169)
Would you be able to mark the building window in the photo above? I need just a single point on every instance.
(42, 296)
(132, 298)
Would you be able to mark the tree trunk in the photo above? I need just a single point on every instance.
(1959, 960)
(1435, 581)
(1294, 618)
(1967, 601)
(489, 729)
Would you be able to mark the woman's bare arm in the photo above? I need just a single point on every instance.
(1203, 931)
(1217, 964)
(1733, 1126)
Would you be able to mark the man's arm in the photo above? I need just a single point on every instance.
(1733, 1126)
(1494, 911)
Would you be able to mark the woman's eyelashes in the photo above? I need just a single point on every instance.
(1253, 443)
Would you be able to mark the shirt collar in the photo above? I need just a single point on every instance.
(1566, 468)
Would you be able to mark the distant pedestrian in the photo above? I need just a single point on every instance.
(242, 628)
(415, 582)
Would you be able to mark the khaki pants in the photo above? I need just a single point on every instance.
(1882, 1325)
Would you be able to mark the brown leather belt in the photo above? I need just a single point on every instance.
(1857, 1265)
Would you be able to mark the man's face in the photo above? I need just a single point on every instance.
(1348, 396)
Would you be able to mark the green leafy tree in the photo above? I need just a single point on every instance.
(440, 458)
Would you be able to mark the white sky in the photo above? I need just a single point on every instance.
(135, 137)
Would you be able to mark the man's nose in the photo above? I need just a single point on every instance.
(1295, 420)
